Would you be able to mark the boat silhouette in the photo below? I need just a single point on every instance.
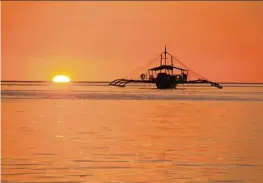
(166, 75)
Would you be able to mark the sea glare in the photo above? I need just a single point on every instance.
(95, 133)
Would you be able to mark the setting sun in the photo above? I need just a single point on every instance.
(61, 79)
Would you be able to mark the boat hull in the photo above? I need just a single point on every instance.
(165, 81)
(166, 86)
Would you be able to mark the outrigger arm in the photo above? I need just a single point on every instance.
(124, 82)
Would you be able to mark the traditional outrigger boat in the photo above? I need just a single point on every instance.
(166, 76)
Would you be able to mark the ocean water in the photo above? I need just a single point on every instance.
(95, 133)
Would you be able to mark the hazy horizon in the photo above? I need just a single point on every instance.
(229, 82)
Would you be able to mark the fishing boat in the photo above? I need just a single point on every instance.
(166, 75)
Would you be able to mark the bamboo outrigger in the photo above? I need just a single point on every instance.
(165, 76)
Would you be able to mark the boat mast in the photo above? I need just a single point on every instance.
(172, 65)
(165, 55)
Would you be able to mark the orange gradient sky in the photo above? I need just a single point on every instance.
(107, 40)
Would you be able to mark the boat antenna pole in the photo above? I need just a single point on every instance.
(165, 55)
(172, 65)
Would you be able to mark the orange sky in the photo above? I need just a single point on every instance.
(106, 40)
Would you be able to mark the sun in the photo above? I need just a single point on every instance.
(61, 79)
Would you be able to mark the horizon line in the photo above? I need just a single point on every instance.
(43, 81)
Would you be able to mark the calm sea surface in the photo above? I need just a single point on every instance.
(94, 133)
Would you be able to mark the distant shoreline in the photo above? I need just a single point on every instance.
(20, 81)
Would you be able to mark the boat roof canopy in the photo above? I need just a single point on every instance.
(168, 67)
